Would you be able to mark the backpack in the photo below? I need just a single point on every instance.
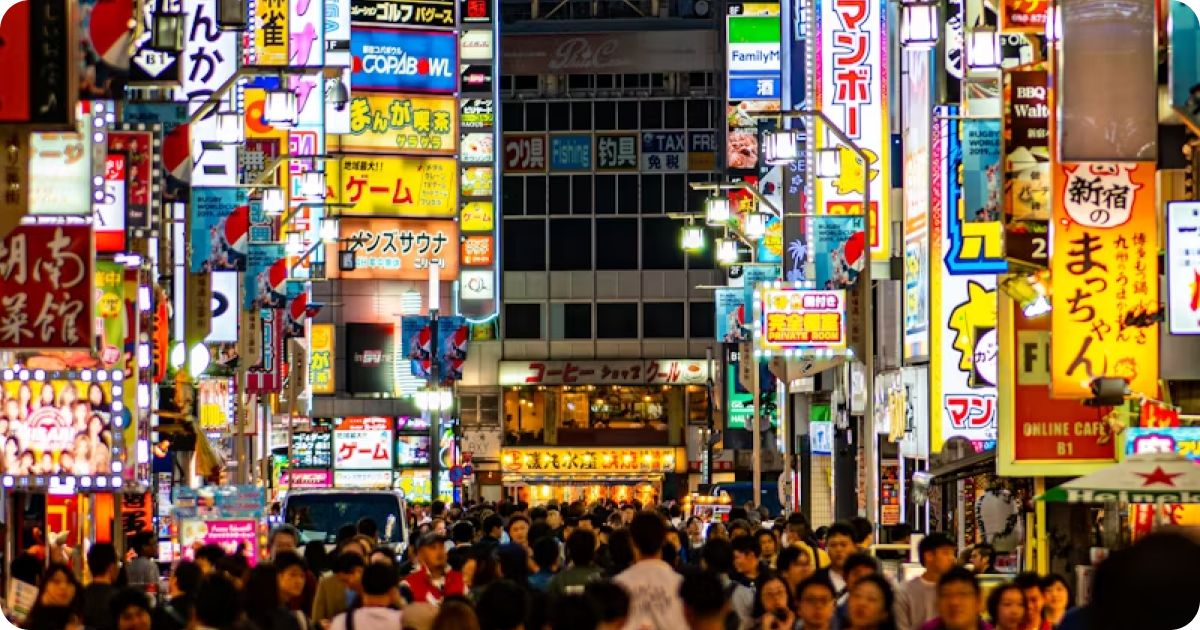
(732, 620)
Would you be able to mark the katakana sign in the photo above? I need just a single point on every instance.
(585, 460)
(398, 249)
(363, 443)
(392, 185)
(437, 13)
(648, 372)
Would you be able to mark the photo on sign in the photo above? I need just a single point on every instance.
(477, 148)
(59, 427)
(477, 181)
(109, 219)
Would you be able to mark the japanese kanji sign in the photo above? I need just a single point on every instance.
(635, 372)
(439, 13)
(798, 319)
(46, 300)
(271, 34)
(543, 461)
(392, 185)
(389, 123)
(41, 82)
(266, 371)
(525, 153)
(1183, 273)
(399, 249)
(363, 443)
(1105, 269)
(320, 360)
(617, 152)
(664, 151)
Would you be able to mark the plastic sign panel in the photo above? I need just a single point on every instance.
(387, 60)
(571, 153)
(321, 360)
(46, 288)
(1105, 268)
(395, 186)
(389, 123)
(852, 89)
(1183, 268)
(800, 319)
(525, 153)
(209, 59)
(363, 443)
(1027, 148)
(425, 13)
(61, 170)
(59, 432)
(753, 57)
(917, 111)
(551, 461)
(398, 249)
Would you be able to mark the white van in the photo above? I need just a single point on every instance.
(320, 513)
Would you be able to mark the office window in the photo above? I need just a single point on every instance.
(660, 243)
(535, 195)
(652, 115)
(581, 194)
(570, 245)
(512, 191)
(523, 321)
(606, 115)
(705, 258)
(699, 114)
(605, 81)
(700, 320)
(616, 244)
(560, 116)
(579, 81)
(581, 116)
(606, 194)
(627, 194)
(560, 194)
(526, 82)
(662, 320)
(652, 194)
(616, 320)
(513, 116)
(627, 115)
(571, 321)
(675, 191)
(674, 116)
(524, 245)
(535, 117)
(695, 198)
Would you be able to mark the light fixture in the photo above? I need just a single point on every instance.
(727, 251)
(274, 201)
(782, 147)
(167, 34)
(983, 49)
(754, 225)
(339, 96)
(919, 24)
(200, 358)
(693, 238)
(717, 210)
(295, 243)
(178, 355)
(329, 229)
(829, 163)
(312, 185)
(233, 15)
(281, 108)
(436, 399)
(1054, 25)
(230, 128)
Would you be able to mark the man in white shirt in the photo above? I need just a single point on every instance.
(916, 599)
(380, 592)
(652, 584)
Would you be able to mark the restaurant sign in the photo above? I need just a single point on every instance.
(623, 372)
(586, 460)
(600, 53)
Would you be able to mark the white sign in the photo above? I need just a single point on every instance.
(110, 214)
(482, 443)
(915, 443)
(475, 45)
(1183, 267)
(60, 172)
(209, 59)
(820, 438)
(225, 307)
(362, 478)
(478, 284)
(363, 444)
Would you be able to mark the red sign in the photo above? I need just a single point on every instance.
(1046, 429)
(41, 83)
(1158, 416)
(525, 153)
(266, 374)
(46, 300)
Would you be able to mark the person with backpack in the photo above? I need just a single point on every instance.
(718, 559)
(379, 601)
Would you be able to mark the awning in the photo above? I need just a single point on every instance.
(578, 480)
(970, 466)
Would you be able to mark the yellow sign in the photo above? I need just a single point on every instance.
(320, 359)
(550, 460)
(390, 185)
(800, 319)
(271, 35)
(391, 123)
(1105, 272)
(478, 216)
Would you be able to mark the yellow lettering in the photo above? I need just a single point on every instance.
(982, 238)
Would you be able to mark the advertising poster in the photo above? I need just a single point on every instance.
(363, 443)
(477, 181)
(452, 346)
(371, 358)
(321, 370)
(753, 53)
(215, 399)
(313, 449)
(195, 533)
(223, 326)
(265, 284)
(110, 313)
(840, 244)
(391, 123)
(477, 148)
(981, 170)
(220, 229)
(142, 181)
(1184, 62)
(477, 113)
(916, 112)
(395, 186)
(702, 151)
(731, 315)
(176, 143)
(1027, 146)
(398, 249)
(306, 479)
(753, 275)
(412, 450)
(265, 374)
(48, 269)
(821, 323)
(392, 60)
(415, 485)
(1183, 272)
(59, 427)
(109, 220)
(60, 171)
(1106, 291)
(271, 34)
(105, 34)
(571, 153)
(1024, 16)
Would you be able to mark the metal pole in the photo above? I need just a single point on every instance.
(706, 477)
(756, 453)
(291, 421)
(435, 394)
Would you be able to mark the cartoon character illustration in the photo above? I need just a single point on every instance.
(972, 321)
(850, 179)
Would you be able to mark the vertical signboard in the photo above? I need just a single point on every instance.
(40, 83)
(1027, 147)
(916, 111)
(754, 65)
(852, 89)
(1183, 270)
(1105, 269)
(210, 58)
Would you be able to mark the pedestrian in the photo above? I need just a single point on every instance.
(102, 562)
(546, 556)
(705, 601)
(379, 605)
(652, 584)
(871, 604)
(142, 571)
(336, 593)
(176, 612)
(774, 606)
(916, 599)
(503, 606)
(581, 548)
(958, 602)
(432, 580)
(1058, 598)
(59, 603)
(456, 615)
(1006, 606)
(129, 609)
(265, 608)
(815, 601)
(794, 564)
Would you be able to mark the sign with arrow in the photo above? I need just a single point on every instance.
(149, 67)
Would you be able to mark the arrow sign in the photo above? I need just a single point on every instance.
(153, 63)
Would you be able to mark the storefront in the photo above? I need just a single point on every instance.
(540, 474)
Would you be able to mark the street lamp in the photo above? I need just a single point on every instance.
(717, 210)
(168, 35)
(693, 238)
(232, 15)
(754, 225)
(434, 399)
(274, 201)
(231, 128)
(919, 24)
(983, 49)
(312, 184)
(280, 109)
(782, 147)
(727, 251)
(829, 163)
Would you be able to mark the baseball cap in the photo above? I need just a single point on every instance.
(430, 538)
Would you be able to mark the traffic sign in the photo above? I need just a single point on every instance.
(468, 470)
(456, 475)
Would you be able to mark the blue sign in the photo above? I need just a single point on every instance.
(820, 438)
(220, 229)
(389, 60)
(979, 165)
(747, 89)
(570, 153)
(752, 275)
(664, 151)
(839, 244)
(731, 315)
(1182, 440)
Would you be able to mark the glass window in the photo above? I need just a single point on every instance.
(616, 244)
(560, 116)
(571, 321)
(605, 81)
(581, 194)
(606, 194)
(632, 81)
(673, 114)
(627, 115)
(627, 194)
(581, 116)
(675, 192)
(660, 243)
(700, 320)
(560, 194)
(616, 320)
(535, 195)
(506, 83)
(662, 320)
(705, 258)
(652, 194)
(570, 245)
(606, 115)
(535, 117)
(695, 198)
(652, 115)
(527, 81)
(523, 321)
(579, 81)
(513, 116)
(524, 245)
(512, 201)
(699, 114)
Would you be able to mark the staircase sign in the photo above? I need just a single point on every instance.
(149, 67)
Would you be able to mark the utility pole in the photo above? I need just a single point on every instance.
(435, 394)
(706, 466)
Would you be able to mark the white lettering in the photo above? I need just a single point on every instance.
(577, 54)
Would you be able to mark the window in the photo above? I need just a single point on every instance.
(700, 320)
(581, 116)
(560, 116)
(627, 115)
(673, 114)
(616, 244)
(513, 116)
(524, 245)
(581, 194)
(705, 258)
(652, 194)
(696, 198)
(606, 194)
(616, 320)
(560, 194)
(535, 117)
(660, 244)
(512, 201)
(570, 245)
(627, 194)
(699, 114)
(605, 81)
(606, 115)
(662, 320)
(652, 117)
(523, 321)
(535, 195)
(675, 191)
(579, 81)
(571, 321)
(527, 82)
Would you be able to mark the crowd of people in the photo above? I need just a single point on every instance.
(575, 567)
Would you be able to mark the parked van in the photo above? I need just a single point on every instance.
(320, 513)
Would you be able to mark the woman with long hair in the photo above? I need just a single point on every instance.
(1006, 606)
(59, 603)
(871, 604)
(264, 607)
(1058, 598)
(775, 605)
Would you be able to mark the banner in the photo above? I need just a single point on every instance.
(220, 229)
(452, 338)
(271, 35)
(229, 535)
(60, 427)
(110, 313)
(61, 169)
(265, 284)
(1027, 179)
(397, 249)
(321, 372)
(41, 80)
(1183, 270)
(395, 186)
(393, 123)
(265, 373)
(46, 293)
(916, 112)
(731, 315)
(840, 244)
